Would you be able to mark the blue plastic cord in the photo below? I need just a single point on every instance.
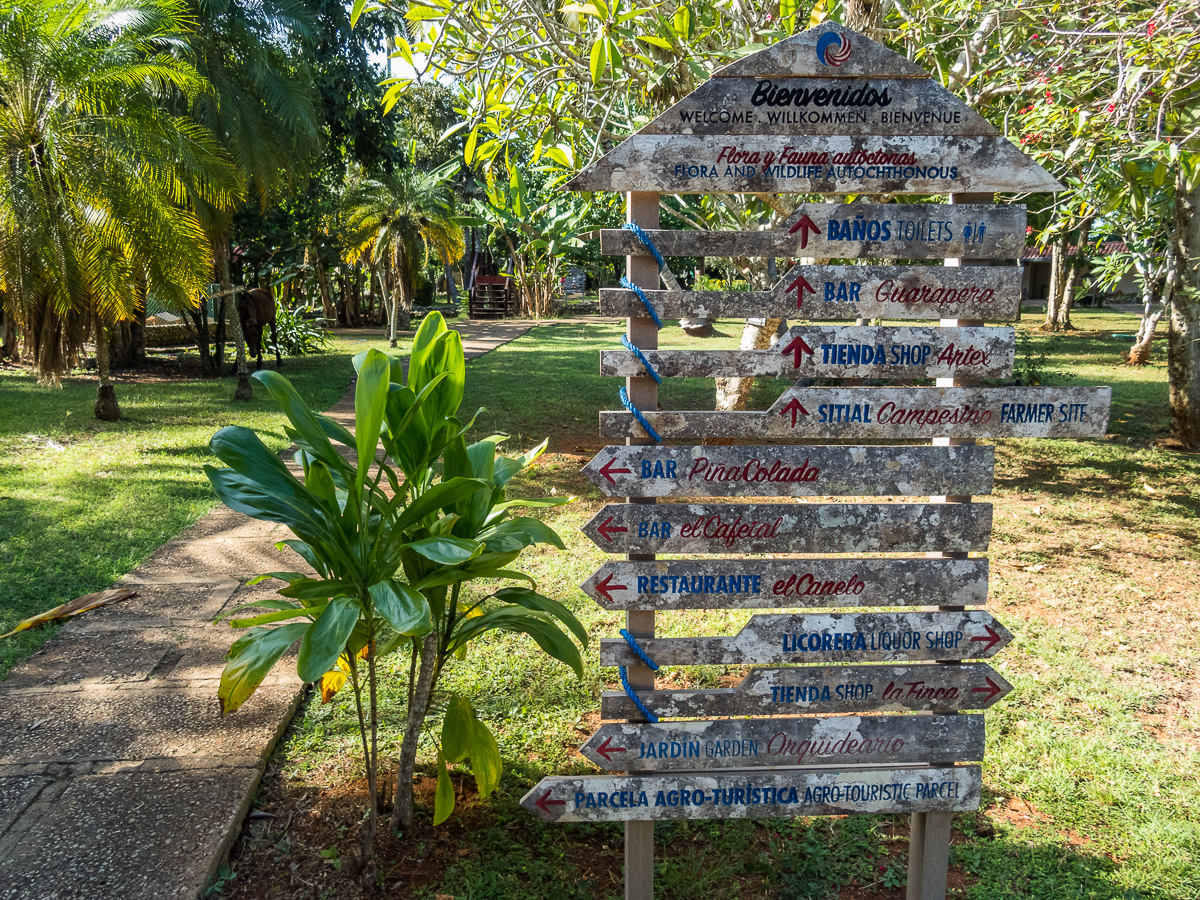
(637, 414)
(637, 351)
(645, 241)
(636, 648)
(641, 295)
(649, 716)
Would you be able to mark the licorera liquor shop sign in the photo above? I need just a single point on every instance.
(861, 695)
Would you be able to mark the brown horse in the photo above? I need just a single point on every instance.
(256, 310)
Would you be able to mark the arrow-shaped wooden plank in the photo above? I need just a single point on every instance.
(826, 690)
(786, 741)
(753, 794)
(890, 414)
(726, 583)
(799, 163)
(790, 527)
(838, 351)
(991, 294)
(828, 637)
(821, 105)
(791, 471)
(850, 231)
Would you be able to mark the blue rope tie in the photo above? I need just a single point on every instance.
(641, 295)
(636, 648)
(642, 655)
(649, 716)
(637, 414)
(637, 351)
(645, 241)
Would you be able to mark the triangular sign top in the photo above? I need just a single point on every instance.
(829, 50)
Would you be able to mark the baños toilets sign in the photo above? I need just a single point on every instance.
(845, 711)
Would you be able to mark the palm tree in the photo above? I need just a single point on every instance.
(261, 110)
(96, 172)
(401, 217)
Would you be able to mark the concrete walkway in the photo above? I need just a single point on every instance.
(119, 780)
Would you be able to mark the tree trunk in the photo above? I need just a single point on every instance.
(451, 287)
(314, 259)
(8, 338)
(1079, 263)
(1183, 360)
(106, 408)
(402, 811)
(243, 392)
(1054, 296)
(732, 393)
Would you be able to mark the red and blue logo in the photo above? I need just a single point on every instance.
(833, 49)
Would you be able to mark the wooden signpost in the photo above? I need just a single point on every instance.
(832, 637)
(838, 351)
(827, 690)
(855, 413)
(826, 111)
(796, 741)
(774, 583)
(790, 527)
(753, 794)
(842, 292)
(849, 231)
(791, 471)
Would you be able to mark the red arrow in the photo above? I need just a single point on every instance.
(804, 226)
(798, 347)
(544, 805)
(793, 407)
(607, 468)
(603, 587)
(992, 639)
(604, 749)
(605, 528)
(991, 690)
(800, 285)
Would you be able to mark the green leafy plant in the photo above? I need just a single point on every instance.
(296, 334)
(391, 552)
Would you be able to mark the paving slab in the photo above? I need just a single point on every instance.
(136, 836)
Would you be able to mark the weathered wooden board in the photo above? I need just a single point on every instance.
(753, 794)
(826, 690)
(791, 471)
(790, 527)
(790, 741)
(890, 414)
(828, 50)
(838, 351)
(770, 638)
(727, 583)
(814, 164)
(826, 293)
(851, 231)
(822, 105)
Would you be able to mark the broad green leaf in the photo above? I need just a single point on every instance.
(281, 615)
(486, 764)
(458, 729)
(446, 551)
(282, 576)
(357, 10)
(265, 603)
(683, 22)
(468, 573)
(443, 798)
(314, 589)
(537, 625)
(405, 609)
(535, 531)
(656, 41)
(598, 61)
(437, 497)
(326, 639)
(469, 149)
(370, 403)
(256, 652)
(532, 600)
(302, 418)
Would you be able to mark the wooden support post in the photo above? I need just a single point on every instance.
(929, 833)
(642, 270)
